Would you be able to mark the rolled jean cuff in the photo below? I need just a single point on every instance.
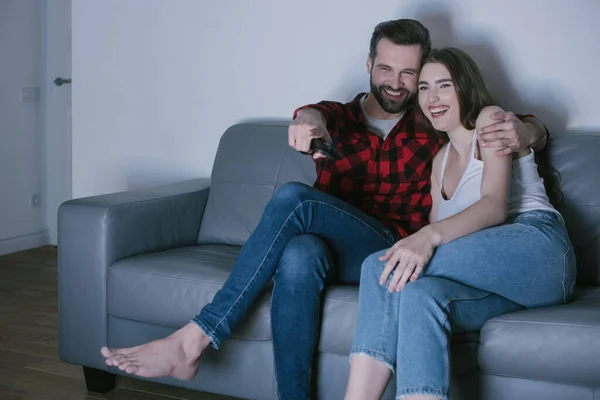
(377, 356)
(422, 391)
(213, 340)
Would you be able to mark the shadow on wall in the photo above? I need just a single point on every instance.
(546, 100)
(543, 99)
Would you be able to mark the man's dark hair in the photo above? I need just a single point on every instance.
(405, 32)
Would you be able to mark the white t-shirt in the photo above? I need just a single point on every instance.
(381, 127)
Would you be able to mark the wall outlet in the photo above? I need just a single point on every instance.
(30, 95)
(35, 200)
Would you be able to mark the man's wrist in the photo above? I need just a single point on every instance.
(537, 134)
(531, 130)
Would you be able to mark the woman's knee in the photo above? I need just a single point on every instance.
(372, 267)
(425, 289)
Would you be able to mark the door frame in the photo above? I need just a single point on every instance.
(56, 152)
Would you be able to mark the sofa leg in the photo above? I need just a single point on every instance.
(98, 381)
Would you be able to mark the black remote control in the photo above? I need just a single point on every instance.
(326, 149)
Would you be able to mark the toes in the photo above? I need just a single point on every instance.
(106, 352)
(131, 369)
(116, 360)
(124, 365)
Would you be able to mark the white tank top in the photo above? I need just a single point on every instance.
(526, 192)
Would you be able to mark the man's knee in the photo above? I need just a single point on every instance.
(306, 257)
(292, 191)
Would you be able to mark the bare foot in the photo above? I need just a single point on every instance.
(177, 355)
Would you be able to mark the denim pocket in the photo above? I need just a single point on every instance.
(569, 273)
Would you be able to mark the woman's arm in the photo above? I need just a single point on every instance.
(409, 256)
(491, 209)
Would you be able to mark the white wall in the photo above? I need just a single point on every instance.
(21, 226)
(157, 82)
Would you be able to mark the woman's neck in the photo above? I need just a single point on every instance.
(461, 139)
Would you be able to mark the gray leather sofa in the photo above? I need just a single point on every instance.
(137, 265)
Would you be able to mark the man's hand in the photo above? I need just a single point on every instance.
(509, 135)
(407, 257)
(308, 125)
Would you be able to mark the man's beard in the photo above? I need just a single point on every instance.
(388, 105)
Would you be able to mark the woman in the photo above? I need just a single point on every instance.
(495, 245)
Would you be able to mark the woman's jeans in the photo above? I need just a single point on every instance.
(302, 232)
(527, 262)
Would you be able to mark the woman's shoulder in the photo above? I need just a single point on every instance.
(485, 116)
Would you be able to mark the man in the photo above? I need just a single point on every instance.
(376, 194)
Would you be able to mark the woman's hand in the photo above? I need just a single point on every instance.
(408, 257)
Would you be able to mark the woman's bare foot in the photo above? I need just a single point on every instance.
(177, 355)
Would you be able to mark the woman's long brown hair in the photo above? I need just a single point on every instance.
(473, 95)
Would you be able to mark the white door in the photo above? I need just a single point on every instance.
(57, 110)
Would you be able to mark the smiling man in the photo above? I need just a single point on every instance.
(376, 194)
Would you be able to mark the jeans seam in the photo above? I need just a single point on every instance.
(385, 318)
(412, 391)
(566, 290)
(215, 342)
(371, 353)
(274, 357)
(257, 270)
(348, 214)
(447, 308)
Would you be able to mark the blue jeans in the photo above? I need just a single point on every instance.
(527, 262)
(302, 232)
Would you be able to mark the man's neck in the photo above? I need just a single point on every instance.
(374, 110)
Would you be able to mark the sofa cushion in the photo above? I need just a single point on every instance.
(170, 287)
(559, 344)
(252, 161)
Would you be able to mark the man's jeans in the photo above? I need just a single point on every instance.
(527, 262)
(302, 233)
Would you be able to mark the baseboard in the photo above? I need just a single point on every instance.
(25, 242)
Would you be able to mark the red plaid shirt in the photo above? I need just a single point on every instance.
(386, 179)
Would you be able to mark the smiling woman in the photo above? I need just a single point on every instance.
(492, 240)
(451, 75)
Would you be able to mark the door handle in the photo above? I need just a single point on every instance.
(61, 81)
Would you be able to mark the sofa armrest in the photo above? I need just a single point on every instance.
(553, 344)
(94, 232)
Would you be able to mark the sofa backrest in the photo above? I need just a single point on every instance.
(253, 160)
(577, 160)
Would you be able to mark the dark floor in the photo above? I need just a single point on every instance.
(29, 364)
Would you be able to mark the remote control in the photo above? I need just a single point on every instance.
(326, 149)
